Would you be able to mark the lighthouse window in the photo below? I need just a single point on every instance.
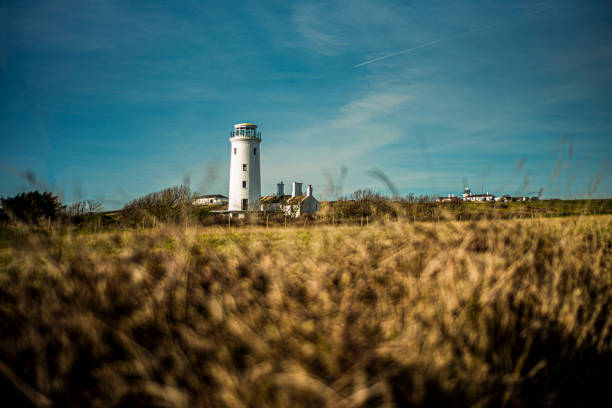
(243, 166)
(234, 150)
(254, 151)
(244, 184)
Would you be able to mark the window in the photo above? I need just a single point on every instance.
(244, 184)
(243, 166)
(234, 150)
(245, 204)
(254, 151)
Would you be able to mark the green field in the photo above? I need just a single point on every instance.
(480, 313)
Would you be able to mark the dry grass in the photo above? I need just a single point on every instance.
(487, 313)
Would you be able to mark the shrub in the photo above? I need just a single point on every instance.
(173, 205)
(33, 207)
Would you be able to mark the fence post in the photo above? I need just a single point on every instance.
(187, 296)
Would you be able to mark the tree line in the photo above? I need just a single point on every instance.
(44, 208)
(171, 205)
(174, 205)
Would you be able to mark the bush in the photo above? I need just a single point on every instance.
(33, 207)
(172, 205)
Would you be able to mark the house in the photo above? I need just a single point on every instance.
(504, 199)
(292, 205)
(449, 199)
(301, 205)
(468, 196)
(210, 199)
(480, 197)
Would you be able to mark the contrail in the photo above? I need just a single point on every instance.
(483, 28)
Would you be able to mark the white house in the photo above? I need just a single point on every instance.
(504, 199)
(451, 197)
(468, 196)
(292, 205)
(210, 199)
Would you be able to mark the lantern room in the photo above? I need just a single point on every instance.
(245, 131)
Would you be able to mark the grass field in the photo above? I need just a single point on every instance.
(484, 313)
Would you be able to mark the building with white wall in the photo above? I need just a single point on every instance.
(245, 178)
(469, 196)
(451, 198)
(292, 205)
(210, 199)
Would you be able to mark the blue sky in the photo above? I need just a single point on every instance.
(110, 100)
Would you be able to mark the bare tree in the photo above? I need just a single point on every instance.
(81, 208)
(93, 206)
(77, 209)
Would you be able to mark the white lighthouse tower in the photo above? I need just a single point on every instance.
(245, 180)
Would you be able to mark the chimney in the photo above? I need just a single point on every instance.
(309, 190)
(297, 189)
(280, 189)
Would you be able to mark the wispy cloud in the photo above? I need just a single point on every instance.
(311, 24)
(448, 38)
(351, 138)
(333, 28)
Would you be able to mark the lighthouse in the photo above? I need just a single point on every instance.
(245, 179)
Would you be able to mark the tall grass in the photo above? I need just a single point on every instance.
(483, 313)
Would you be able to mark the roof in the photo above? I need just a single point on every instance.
(296, 199)
(210, 196)
(244, 125)
(299, 199)
(271, 199)
(286, 199)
